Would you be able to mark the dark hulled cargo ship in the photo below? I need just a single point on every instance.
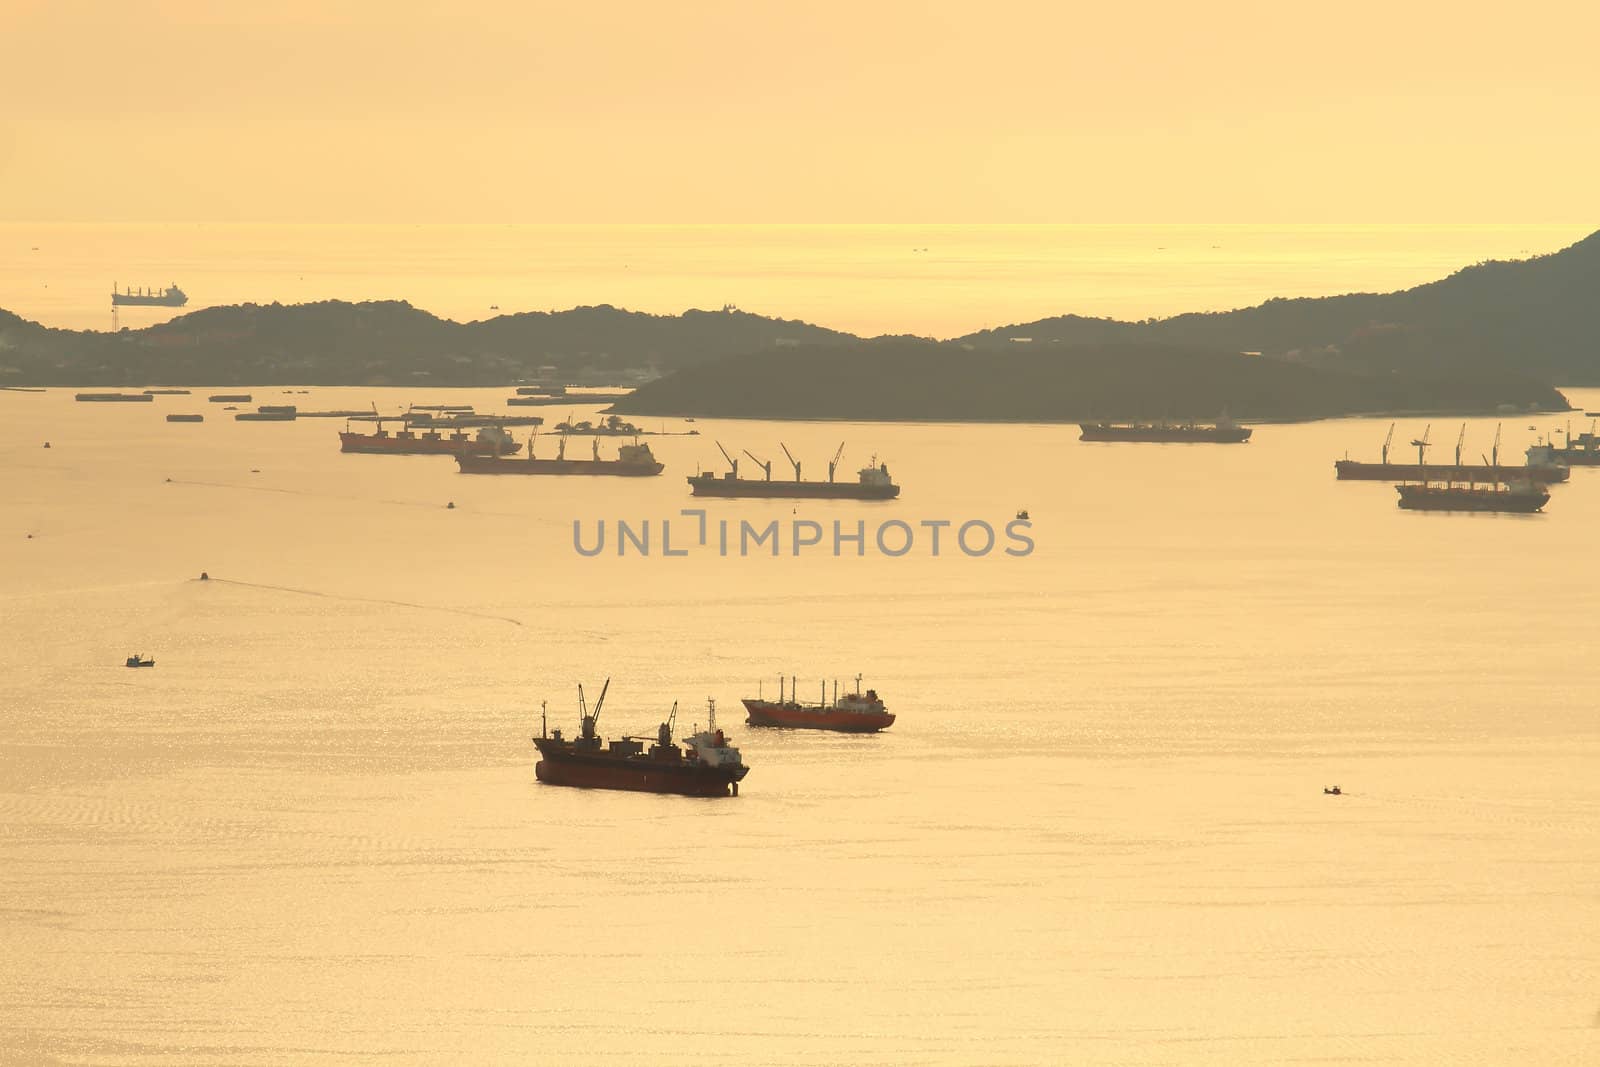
(171, 297)
(1223, 432)
(1543, 465)
(854, 713)
(705, 766)
(1524, 498)
(633, 460)
(872, 482)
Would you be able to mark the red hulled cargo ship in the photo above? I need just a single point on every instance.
(706, 765)
(855, 713)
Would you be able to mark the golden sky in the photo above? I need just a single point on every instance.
(826, 111)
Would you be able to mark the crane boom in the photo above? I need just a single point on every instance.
(731, 461)
(1460, 439)
(834, 462)
(765, 465)
(1388, 438)
(791, 459)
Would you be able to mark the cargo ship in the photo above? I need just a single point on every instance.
(854, 713)
(114, 398)
(171, 297)
(186, 418)
(633, 460)
(490, 441)
(1224, 432)
(706, 765)
(1580, 451)
(872, 481)
(1522, 498)
(1543, 465)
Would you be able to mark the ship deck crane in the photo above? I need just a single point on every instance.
(791, 460)
(833, 463)
(733, 463)
(764, 464)
(1460, 439)
(1387, 439)
(1421, 444)
(591, 719)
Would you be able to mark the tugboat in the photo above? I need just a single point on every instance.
(1522, 498)
(854, 713)
(706, 765)
(1223, 432)
(490, 441)
(873, 481)
(634, 460)
(136, 660)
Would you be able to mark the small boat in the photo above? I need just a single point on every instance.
(136, 660)
(1334, 792)
(1023, 515)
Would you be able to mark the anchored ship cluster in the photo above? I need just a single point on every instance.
(1489, 486)
(704, 764)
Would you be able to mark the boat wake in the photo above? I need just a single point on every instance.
(368, 600)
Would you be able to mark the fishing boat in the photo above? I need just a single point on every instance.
(137, 660)
(705, 766)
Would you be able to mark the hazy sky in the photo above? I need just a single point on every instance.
(696, 111)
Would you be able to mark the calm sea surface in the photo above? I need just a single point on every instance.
(930, 280)
(1097, 834)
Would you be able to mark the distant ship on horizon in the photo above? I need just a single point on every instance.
(171, 297)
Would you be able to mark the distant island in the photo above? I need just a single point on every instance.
(1495, 336)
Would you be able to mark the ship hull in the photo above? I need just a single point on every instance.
(1435, 498)
(790, 716)
(1579, 457)
(636, 775)
(125, 300)
(1349, 470)
(1219, 435)
(367, 444)
(706, 485)
(488, 465)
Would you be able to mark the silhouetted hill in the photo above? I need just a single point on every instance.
(949, 382)
(382, 342)
(1539, 317)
